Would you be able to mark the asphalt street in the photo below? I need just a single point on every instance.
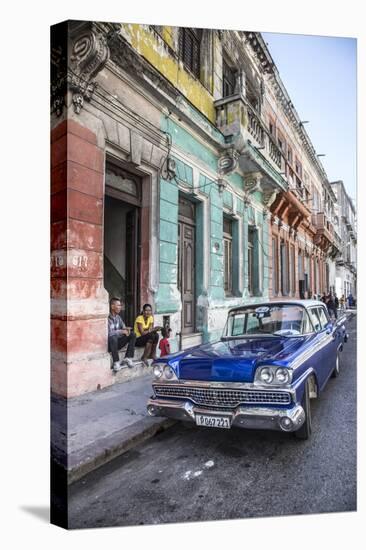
(196, 474)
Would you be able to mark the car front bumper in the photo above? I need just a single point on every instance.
(260, 418)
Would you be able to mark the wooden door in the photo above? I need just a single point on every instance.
(186, 263)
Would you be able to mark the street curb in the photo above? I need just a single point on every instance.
(103, 451)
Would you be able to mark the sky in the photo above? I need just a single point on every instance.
(320, 75)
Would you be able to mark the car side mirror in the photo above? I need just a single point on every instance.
(329, 327)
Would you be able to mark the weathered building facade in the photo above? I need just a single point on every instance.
(346, 262)
(181, 176)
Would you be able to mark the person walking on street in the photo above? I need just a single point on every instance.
(342, 303)
(146, 333)
(336, 302)
(329, 302)
(119, 335)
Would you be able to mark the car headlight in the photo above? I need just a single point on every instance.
(164, 371)
(169, 373)
(266, 375)
(282, 376)
(273, 375)
(158, 370)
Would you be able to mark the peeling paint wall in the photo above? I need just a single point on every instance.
(155, 50)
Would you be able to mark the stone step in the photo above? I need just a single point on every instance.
(126, 373)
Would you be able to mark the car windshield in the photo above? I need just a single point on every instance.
(269, 320)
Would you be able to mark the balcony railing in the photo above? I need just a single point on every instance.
(274, 152)
(234, 116)
(321, 222)
(255, 127)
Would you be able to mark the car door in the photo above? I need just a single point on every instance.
(327, 346)
(320, 360)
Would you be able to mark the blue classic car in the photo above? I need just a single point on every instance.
(272, 359)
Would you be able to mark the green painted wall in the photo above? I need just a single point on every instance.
(167, 299)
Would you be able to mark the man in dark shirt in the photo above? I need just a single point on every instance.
(119, 335)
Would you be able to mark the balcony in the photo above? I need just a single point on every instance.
(325, 235)
(243, 127)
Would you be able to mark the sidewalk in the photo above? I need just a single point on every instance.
(104, 424)
(101, 425)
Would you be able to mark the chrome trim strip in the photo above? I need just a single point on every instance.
(223, 397)
(228, 385)
(308, 353)
(243, 417)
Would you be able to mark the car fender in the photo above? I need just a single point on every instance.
(299, 385)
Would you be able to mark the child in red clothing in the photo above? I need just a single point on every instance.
(164, 342)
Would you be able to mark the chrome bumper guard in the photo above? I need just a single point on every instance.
(257, 418)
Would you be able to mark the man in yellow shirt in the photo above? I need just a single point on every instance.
(146, 333)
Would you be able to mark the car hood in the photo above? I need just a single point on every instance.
(235, 360)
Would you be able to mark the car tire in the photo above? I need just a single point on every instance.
(336, 369)
(305, 431)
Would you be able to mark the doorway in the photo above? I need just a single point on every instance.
(121, 260)
(186, 263)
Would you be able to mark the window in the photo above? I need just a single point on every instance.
(291, 177)
(284, 319)
(292, 285)
(253, 260)
(308, 273)
(228, 256)
(250, 261)
(306, 324)
(228, 79)
(274, 266)
(323, 317)
(289, 154)
(298, 167)
(271, 128)
(315, 319)
(300, 267)
(252, 96)
(284, 267)
(189, 49)
(316, 277)
(281, 142)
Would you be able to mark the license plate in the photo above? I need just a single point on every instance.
(212, 421)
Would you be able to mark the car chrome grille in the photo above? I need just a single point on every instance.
(222, 397)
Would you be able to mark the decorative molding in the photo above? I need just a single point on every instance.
(89, 54)
(228, 162)
(256, 42)
(76, 72)
(252, 182)
(269, 196)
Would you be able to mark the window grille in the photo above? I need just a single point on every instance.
(251, 236)
(284, 268)
(189, 49)
(228, 256)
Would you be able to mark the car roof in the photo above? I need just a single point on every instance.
(303, 303)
